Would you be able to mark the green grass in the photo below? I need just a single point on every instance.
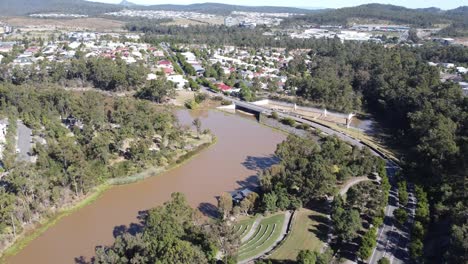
(307, 231)
(265, 235)
(243, 227)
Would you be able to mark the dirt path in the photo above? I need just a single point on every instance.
(350, 183)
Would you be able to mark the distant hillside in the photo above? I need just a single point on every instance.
(127, 3)
(459, 23)
(425, 17)
(225, 9)
(25, 7)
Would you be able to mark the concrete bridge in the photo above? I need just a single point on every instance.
(259, 109)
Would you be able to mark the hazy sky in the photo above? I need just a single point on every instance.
(444, 4)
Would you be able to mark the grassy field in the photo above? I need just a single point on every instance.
(243, 227)
(265, 235)
(308, 231)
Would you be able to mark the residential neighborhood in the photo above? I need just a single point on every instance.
(191, 132)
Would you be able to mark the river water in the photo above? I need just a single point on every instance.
(243, 147)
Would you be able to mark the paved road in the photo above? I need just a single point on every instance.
(167, 49)
(392, 242)
(321, 127)
(23, 144)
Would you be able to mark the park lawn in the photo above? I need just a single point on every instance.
(306, 230)
(266, 234)
(243, 226)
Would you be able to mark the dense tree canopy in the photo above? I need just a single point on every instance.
(169, 235)
(308, 171)
(114, 141)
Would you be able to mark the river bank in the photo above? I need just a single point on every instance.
(35, 230)
(243, 148)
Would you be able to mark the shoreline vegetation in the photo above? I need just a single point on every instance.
(34, 231)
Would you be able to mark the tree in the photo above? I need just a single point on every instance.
(227, 240)
(156, 90)
(225, 204)
(400, 215)
(168, 236)
(416, 248)
(418, 230)
(306, 257)
(197, 123)
(402, 193)
(246, 94)
(368, 243)
(383, 261)
(346, 223)
(269, 200)
(6, 209)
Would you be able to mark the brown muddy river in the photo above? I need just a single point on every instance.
(243, 147)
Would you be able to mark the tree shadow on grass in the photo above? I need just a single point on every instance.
(347, 249)
(321, 228)
(321, 206)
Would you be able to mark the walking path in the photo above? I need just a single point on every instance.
(350, 183)
(281, 237)
(252, 230)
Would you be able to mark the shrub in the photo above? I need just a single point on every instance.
(275, 115)
(288, 121)
(226, 102)
(200, 97)
(191, 104)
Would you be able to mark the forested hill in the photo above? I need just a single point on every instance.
(424, 17)
(25, 7)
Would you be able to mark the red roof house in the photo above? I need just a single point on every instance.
(164, 63)
(168, 71)
(223, 87)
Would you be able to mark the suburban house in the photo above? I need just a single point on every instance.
(165, 64)
(238, 196)
(178, 80)
(223, 87)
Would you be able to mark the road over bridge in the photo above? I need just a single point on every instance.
(392, 242)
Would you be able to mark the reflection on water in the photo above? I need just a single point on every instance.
(243, 148)
(366, 125)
